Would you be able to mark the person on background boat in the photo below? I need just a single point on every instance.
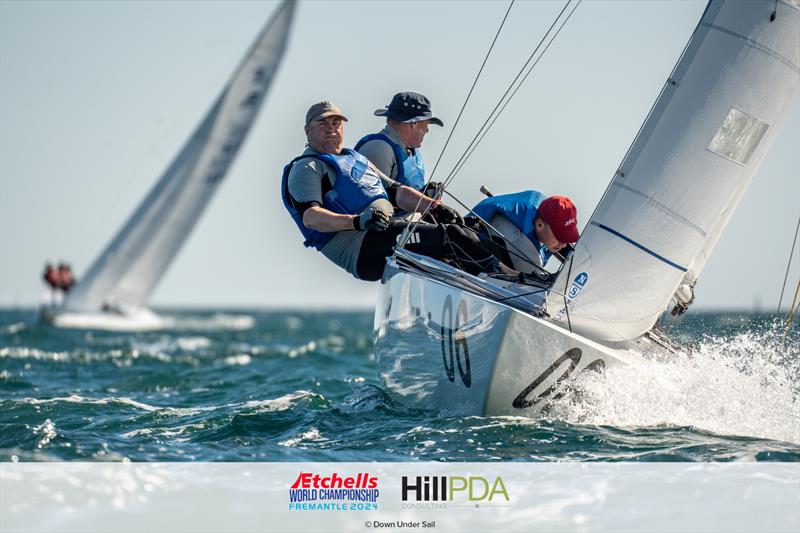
(51, 276)
(535, 226)
(395, 150)
(65, 278)
(343, 206)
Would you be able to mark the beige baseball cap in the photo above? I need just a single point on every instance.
(323, 109)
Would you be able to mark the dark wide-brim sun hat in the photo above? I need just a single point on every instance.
(409, 107)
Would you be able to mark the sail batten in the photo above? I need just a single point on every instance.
(681, 180)
(128, 270)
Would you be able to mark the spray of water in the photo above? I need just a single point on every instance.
(745, 385)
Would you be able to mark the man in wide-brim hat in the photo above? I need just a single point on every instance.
(395, 150)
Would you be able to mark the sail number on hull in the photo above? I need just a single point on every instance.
(455, 355)
(573, 355)
(455, 352)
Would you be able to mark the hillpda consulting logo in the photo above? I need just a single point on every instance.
(315, 492)
(435, 492)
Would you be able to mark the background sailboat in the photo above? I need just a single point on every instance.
(114, 291)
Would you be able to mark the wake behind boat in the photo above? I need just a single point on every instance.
(461, 344)
(114, 292)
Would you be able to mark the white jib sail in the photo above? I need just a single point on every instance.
(128, 270)
(686, 171)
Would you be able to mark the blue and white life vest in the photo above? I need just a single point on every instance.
(410, 168)
(521, 209)
(355, 188)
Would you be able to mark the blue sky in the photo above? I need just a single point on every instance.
(97, 97)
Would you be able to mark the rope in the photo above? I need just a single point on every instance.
(464, 256)
(786, 276)
(792, 311)
(566, 300)
(471, 89)
(537, 291)
(410, 228)
(519, 253)
(475, 139)
(481, 134)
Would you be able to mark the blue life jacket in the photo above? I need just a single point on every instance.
(520, 208)
(354, 190)
(410, 169)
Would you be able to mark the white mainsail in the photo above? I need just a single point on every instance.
(128, 270)
(686, 171)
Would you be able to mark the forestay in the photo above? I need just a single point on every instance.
(126, 273)
(686, 171)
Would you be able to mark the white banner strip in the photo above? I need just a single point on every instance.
(312, 497)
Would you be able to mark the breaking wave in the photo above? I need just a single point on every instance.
(744, 385)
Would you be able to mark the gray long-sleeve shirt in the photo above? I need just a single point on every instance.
(381, 154)
(305, 185)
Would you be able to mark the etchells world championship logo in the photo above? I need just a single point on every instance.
(315, 492)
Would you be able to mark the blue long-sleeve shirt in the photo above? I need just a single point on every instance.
(521, 209)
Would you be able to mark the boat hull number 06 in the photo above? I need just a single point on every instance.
(455, 355)
(455, 352)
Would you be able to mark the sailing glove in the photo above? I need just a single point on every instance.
(446, 215)
(371, 219)
(433, 189)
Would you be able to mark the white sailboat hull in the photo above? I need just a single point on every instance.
(439, 347)
(135, 319)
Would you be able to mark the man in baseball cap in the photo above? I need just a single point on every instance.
(535, 226)
(322, 110)
(395, 150)
(560, 217)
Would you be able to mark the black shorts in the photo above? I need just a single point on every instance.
(458, 244)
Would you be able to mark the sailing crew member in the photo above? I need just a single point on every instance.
(536, 226)
(343, 205)
(395, 150)
(51, 276)
(65, 278)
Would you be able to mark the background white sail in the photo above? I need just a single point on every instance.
(128, 270)
(686, 171)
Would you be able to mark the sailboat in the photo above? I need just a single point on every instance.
(114, 292)
(469, 345)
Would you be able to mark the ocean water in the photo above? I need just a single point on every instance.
(302, 386)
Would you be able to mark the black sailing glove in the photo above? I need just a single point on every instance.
(371, 219)
(446, 215)
(433, 189)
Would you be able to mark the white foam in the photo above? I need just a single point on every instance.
(22, 352)
(281, 403)
(176, 433)
(312, 435)
(218, 321)
(743, 386)
(47, 431)
(241, 359)
(14, 328)
(74, 398)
